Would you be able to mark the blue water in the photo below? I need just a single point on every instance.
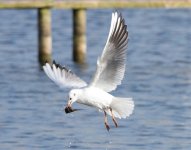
(158, 77)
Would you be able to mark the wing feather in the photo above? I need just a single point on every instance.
(62, 76)
(111, 65)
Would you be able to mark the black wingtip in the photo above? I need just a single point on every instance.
(61, 67)
(118, 13)
(45, 62)
(57, 65)
(54, 62)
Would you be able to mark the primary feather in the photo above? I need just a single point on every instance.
(111, 65)
(62, 76)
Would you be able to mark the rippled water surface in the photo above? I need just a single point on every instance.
(158, 77)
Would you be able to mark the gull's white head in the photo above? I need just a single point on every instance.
(73, 96)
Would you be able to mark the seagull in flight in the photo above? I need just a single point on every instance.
(108, 75)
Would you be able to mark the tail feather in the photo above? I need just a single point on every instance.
(121, 107)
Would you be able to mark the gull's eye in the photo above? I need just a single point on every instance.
(70, 98)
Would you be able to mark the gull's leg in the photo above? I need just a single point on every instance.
(105, 121)
(113, 118)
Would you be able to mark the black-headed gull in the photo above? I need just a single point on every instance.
(109, 73)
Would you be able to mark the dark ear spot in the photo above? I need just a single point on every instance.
(74, 94)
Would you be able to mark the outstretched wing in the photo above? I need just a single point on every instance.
(62, 76)
(111, 65)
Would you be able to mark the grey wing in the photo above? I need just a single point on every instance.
(111, 65)
(62, 76)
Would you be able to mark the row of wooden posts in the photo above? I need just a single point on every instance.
(45, 38)
(79, 18)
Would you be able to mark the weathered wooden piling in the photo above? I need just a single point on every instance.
(44, 35)
(79, 35)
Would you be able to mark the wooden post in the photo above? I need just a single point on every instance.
(44, 36)
(79, 35)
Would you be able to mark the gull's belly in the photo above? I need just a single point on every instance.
(95, 97)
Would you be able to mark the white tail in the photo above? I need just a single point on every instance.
(121, 107)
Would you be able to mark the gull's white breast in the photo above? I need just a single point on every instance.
(95, 97)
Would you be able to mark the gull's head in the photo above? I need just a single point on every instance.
(73, 97)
